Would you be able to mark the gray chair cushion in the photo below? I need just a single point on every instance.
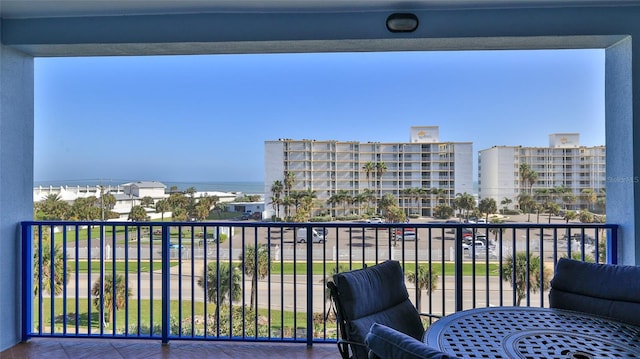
(376, 294)
(602, 289)
(387, 343)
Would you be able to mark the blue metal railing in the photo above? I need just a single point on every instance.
(259, 281)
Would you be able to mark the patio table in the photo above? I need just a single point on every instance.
(524, 332)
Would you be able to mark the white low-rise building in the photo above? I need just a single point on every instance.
(127, 195)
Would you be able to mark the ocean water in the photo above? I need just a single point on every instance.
(247, 187)
(243, 187)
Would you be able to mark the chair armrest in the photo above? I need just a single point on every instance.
(388, 343)
(343, 347)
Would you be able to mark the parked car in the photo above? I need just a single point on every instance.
(211, 238)
(321, 230)
(408, 234)
(479, 248)
(579, 237)
(375, 220)
(316, 237)
(176, 246)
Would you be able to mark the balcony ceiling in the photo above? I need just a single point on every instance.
(70, 8)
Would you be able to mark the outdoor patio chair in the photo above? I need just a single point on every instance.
(375, 294)
(387, 343)
(607, 290)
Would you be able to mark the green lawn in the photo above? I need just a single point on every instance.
(328, 268)
(150, 313)
(144, 234)
(286, 268)
(133, 266)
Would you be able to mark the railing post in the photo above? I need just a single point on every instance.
(166, 279)
(309, 285)
(458, 269)
(27, 281)
(612, 246)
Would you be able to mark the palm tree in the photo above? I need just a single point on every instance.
(441, 195)
(311, 196)
(526, 274)
(577, 256)
(146, 201)
(287, 202)
(85, 209)
(369, 168)
(528, 176)
(201, 210)
(465, 202)
(358, 200)
(420, 193)
(162, 206)
(289, 181)
(496, 230)
(370, 196)
(393, 213)
(342, 197)
(486, 206)
(586, 217)
(526, 204)
(551, 208)
(276, 189)
(570, 216)
(387, 202)
(256, 265)
(506, 202)
(53, 207)
(601, 203)
(407, 193)
(105, 291)
(424, 279)
(138, 214)
(221, 282)
(589, 196)
(52, 282)
(381, 169)
(179, 214)
(532, 178)
(177, 200)
(567, 196)
(296, 198)
(107, 202)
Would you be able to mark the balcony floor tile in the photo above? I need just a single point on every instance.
(97, 349)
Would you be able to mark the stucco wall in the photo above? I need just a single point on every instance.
(16, 181)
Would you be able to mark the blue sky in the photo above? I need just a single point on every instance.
(205, 118)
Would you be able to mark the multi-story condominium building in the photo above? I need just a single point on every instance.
(327, 167)
(563, 165)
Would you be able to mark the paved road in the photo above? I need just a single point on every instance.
(290, 291)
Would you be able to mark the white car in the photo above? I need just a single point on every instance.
(480, 249)
(316, 236)
(478, 244)
(375, 220)
(406, 236)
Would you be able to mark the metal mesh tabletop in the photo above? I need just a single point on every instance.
(522, 332)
